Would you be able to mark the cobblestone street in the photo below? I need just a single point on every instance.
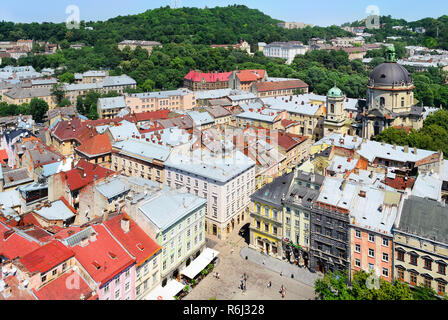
(232, 265)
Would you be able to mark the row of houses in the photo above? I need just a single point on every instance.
(358, 205)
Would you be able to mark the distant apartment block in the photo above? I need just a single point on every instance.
(19, 96)
(181, 99)
(108, 84)
(293, 25)
(147, 45)
(285, 50)
(279, 88)
(197, 81)
(244, 79)
(242, 45)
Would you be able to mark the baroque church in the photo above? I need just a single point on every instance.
(390, 102)
(390, 99)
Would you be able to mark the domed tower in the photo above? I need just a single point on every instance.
(390, 86)
(335, 116)
(390, 98)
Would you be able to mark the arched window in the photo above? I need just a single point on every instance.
(382, 102)
(332, 108)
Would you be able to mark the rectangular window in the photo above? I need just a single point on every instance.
(358, 263)
(371, 253)
(357, 248)
(358, 234)
(385, 272)
(385, 257)
(441, 287)
(400, 255)
(413, 260)
(442, 268)
(371, 238)
(266, 227)
(428, 264)
(385, 242)
(427, 282)
(400, 275)
(117, 294)
(413, 279)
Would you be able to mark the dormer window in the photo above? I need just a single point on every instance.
(96, 265)
(112, 255)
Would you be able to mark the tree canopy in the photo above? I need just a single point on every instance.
(334, 286)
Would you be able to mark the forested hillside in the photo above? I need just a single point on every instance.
(220, 25)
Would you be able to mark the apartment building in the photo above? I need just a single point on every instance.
(19, 96)
(109, 108)
(176, 221)
(278, 88)
(297, 211)
(132, 44)
(285, 50)
(420, 244)
(307, 113)
(225, 181)
(181, 99)
(330, 226)
(371, 218)
(266, 228)
(244, 79)
(197, 81)
(141, 158)
(108, 84)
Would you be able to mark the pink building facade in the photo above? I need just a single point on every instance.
(181, 99)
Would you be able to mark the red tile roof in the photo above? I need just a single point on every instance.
(286, 123)
(399, 183)
(289, 141)
(46, 257)
(57, 289)
(147, 116)
(136, 241)
(250, 75)
(17, 292)
(3, 156)
(196, 76)
(75, 178)
(95, 257)
(65, 233)
(280, 85)
(74, 129)
(96, 145)
(13, 245)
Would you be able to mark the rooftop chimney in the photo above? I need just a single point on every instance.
(406, 149)
(125, 225)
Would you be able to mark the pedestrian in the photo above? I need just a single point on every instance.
(218, 276)
(269, 284)
(231, 251)
(281, 273)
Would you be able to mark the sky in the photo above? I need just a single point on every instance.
(317, 12)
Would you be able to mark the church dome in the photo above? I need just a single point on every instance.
(335, 92)
(390, 74)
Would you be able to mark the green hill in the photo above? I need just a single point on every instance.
(219, 25)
